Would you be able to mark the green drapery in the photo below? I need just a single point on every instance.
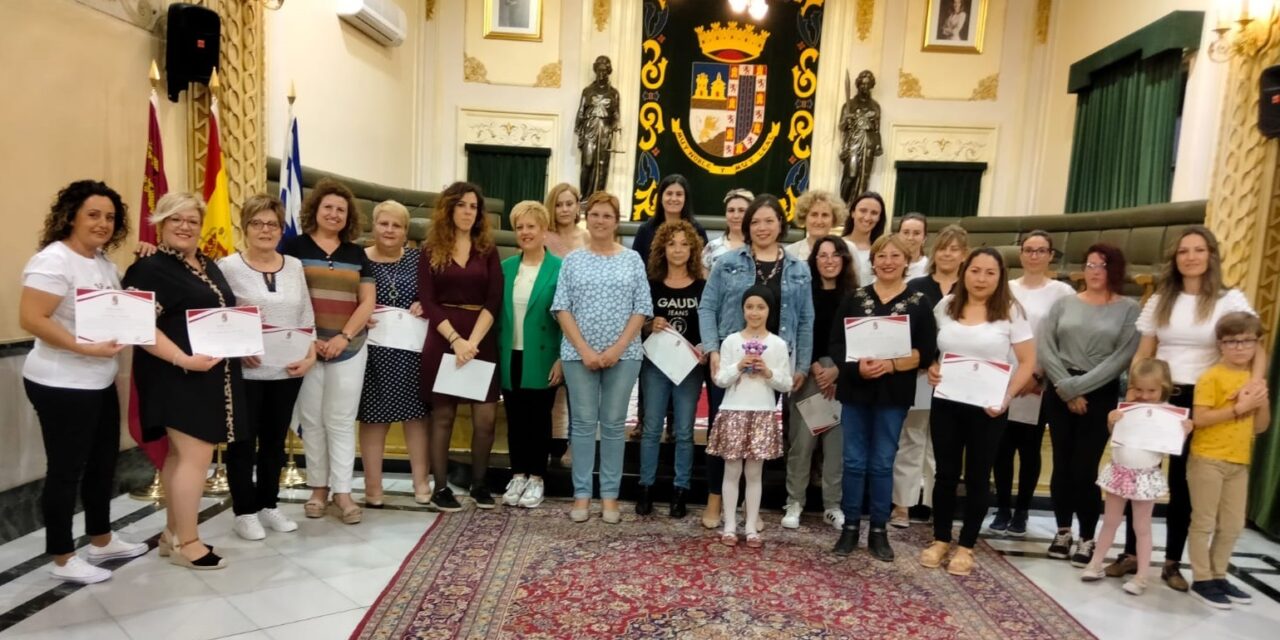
(510, 173)
(1264, 476)
(1122, 152)
(950, 189)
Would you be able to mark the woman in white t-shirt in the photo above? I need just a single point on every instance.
(72, 384)
(914, 228)
(866, 225)
(1036, 292)
(979, 319)
(1177, 325)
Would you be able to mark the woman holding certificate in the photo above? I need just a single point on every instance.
(390, 392)
(1086, 341)
(867, 224)
(978, 324)
(460, 288)
(342, 294)
(601, 301)
(274, 283)
(195, 400)
(890, 331)
(529, 348)
(70, 383)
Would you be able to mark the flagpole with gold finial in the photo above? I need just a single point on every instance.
(217, 484)
(291, 476)
(153, 492)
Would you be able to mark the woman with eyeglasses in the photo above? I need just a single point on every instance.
(1086, 341)
(1036, 291)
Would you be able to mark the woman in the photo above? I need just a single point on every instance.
(675, 202)
(868, 226)
(274, 283)
(818, 212)
(1086, 342)
(529, 341)
(390, 392)
(914, 228)
(343, 295)
(979, 319)
(460, 288)
(601, 301)
(914, 466)
(1177, 326)
(675, 287)
(876, 393)
(761, 261)
(72, 384)
(1036, 292)
(831, 264)
(565, 235)
(195, 400)
(735, 206)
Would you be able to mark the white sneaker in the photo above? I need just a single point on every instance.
(77, 570)
(276, 519)
(248, 527)
(791, 516)
(834, 517)
(116, 549)
(532, 496)
(515, 489)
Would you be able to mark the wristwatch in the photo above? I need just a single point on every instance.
(347, 336)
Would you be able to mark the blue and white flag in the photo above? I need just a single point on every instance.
(291, 183)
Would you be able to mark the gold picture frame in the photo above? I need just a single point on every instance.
(955, 26)
(513, 20)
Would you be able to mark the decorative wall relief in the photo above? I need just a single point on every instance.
(140, 13)
(431, 10)
(1043, 9)
(866, 13)
(940, 143)
(908, 85)
(549, 75)
(507, 128)
(987, 88)
(600, 12)
(473, 70)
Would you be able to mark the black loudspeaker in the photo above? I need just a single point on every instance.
(191, 52)
(1269, 102)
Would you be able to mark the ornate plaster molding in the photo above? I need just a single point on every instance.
(430, 10)
(1043, 9)
(473, 70)
(600, 12)
(943, 144)
(866, 13)
(987, 88)
(549, 75)
(507, 128)
(908, 85)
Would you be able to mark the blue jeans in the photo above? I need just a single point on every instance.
(658, 388)
(599, 399)
(871, 435)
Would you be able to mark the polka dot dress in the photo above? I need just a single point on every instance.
(391, 378)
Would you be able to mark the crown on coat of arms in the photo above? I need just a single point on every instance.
(731, 42)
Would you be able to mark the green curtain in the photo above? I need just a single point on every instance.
(950, 189)
(510, 173)
(1264, 476)
(1122, 152)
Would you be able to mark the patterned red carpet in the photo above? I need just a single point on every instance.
(516, 573)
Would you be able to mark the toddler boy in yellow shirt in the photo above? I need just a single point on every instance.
(1230, 408)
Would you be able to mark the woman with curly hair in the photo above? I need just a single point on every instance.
(460, 287)
(343, 296)
(818, 212)
(72, 384)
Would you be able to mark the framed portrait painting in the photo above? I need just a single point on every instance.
(955, 26)
(513, 20)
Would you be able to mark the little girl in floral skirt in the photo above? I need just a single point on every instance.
(1133, 476)
(754, 368)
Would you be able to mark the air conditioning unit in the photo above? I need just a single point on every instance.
(382, 20)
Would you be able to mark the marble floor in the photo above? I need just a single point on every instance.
(316, 583)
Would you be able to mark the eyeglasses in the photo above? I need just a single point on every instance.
(1036, 251)
(185, 222)
(1241, 343)
(1095, 266)
(269, 225)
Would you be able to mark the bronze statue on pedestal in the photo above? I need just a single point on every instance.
(595, 126)
(859, 137)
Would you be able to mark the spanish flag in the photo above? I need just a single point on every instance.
(216, 238)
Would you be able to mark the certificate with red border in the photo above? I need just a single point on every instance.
(877, 337)
(128, 317)
(1150, 427)
(283, 346)
(226, 332)
(975, 381)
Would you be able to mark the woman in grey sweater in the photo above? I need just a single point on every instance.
(1086, 343)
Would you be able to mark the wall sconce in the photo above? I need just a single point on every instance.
(755, 8)
(1250, 34)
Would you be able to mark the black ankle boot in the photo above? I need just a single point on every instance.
(848, 540)
(878, 545)
(678, 508)
(644, 503)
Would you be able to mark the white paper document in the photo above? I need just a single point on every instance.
(226, 332)
(1026, 409)
(924, 392)
(128, 317)
(877, 337)
(396, 328)
(819, 413)
(1150, 427)
(283, 346)
(471, 380)
(671, 354)
(974, 381)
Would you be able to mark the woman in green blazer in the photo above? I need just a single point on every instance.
(529, 352)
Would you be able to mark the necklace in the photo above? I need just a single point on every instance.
(760, 277)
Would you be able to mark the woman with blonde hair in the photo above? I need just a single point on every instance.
(818, 212)
(460, 288)
(390, 392)
(563, 233)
